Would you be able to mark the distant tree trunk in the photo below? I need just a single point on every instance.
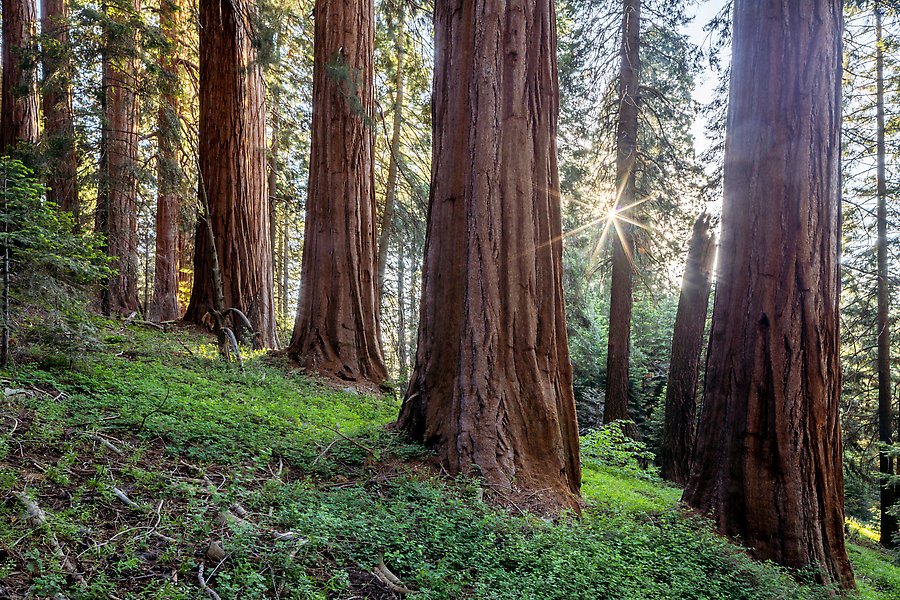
(285, 266)
(622, 288)
(233, 172)
(687, 340)
(492, 383)
(18, 99)
(767, 463)
(164, 305)
(403, 354)
(885, 412)
(390, 197)
(117, 194)
(59, 125)
(337, 329)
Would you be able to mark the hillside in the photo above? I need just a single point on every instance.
(150, 468)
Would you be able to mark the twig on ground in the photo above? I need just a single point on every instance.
(203, 585)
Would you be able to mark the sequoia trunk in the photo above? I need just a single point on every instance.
(687, 340)
(18, 99)
(622, 287)
(768, 459)
(164, 305)
(492, 384)
(117, 193)
(336, 330)
(233, 172)
(59, 126)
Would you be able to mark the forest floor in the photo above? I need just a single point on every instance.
(150, 468)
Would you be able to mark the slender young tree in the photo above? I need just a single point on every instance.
(232, 173)
(59, 125)
(164, 304)
(885, 422)
(679, 428)
(117, 194)
(390, 196)
(767, 463)
(492, 383)
(18, 99)
(622, 287)
(336, 331)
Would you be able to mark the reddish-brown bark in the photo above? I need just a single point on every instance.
(491, 391)
(18, 99)
(233, 171)
(679, 428)
(164, 304)
(59, 126)
(336, 330)
(622, 287)
(767, 463)
(117, 194)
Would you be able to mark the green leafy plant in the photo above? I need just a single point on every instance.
(609, 446)
(47, 266)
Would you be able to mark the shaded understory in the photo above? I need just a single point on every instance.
(149, 449)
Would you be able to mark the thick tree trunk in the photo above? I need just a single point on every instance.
(164, 305)
(233, 172)
(767, 463)
(679, 428)
(492, 384)
(59, 125)
(18, 99)
(885, 411)
(117, 194)
(622, 288)
(390, 197)
(336, 332)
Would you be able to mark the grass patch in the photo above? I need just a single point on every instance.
(258, 463)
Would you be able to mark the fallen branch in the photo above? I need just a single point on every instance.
(356, 443)
(125, 499)
(203, 585)
(38, 518)
(105, 442)
(393, 582)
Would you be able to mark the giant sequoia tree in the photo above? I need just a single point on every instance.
(164, 304)
(622, 287)
(679, 427)
(232, 173)
(59, 127)
(116, 215)
(336, 330)
(18, 100)
(768, 457)
(492, 384)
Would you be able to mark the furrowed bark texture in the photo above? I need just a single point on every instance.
(164, 304)
(117, 194)
(59, 126)
(687, 340)
(233, 171)
(621, 290)
(492, 384)
(336, 331)
(18, 98)
(768, 459)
